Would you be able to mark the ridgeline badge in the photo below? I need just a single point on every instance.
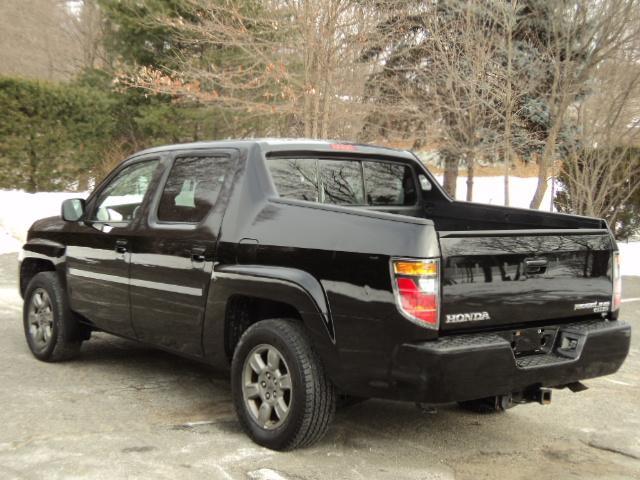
(597, 307)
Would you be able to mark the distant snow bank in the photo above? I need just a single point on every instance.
(629, 258)
(491, 190)
(18, 210)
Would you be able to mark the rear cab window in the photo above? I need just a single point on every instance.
(354, 182)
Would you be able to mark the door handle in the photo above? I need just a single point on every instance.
(121, 246)
(198, 254)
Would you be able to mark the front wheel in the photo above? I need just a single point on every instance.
(52, 332)
(281, 394)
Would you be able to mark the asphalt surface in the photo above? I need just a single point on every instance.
(122, 410)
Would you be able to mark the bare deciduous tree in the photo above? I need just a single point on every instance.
(292, 60)
(583, 35)
(35, 40)
(602, 169)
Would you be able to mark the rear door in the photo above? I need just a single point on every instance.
(172, 258)
(517, 277)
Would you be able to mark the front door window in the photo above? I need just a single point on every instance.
(120, 201)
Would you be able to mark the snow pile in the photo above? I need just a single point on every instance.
(491, 190)
(18, 210)
(629, 258)
(8, 243)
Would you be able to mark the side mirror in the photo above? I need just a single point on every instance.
(72, 209)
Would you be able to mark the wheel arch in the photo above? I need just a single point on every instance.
(241, 295)
(38, 256)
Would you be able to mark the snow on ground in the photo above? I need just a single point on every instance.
(8, 243)
(18, 210)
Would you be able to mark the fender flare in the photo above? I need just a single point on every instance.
(38, 249)
(46, 249)
(286, 285)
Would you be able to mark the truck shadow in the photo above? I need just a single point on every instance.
(195, 401)
(204, 395)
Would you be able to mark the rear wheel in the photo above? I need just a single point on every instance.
(281, 394)
(52, 332)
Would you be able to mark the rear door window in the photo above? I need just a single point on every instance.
(192, 188)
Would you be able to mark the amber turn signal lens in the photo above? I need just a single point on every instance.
(418, 268)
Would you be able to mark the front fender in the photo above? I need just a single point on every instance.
(40, 255)
(44, 248)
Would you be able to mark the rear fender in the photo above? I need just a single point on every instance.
(291, 286)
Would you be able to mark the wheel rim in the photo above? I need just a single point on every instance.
(266, 386)
(40, 319)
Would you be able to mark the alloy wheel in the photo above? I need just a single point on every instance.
(266, 386)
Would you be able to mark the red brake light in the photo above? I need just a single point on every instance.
(417, 291)
(344, 147)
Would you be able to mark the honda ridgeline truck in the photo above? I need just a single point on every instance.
(318, 271)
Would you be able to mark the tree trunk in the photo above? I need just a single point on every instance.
(470, 174)
(541, 187)
(545, 160)
(83, 183)
(506, 180)
(32, 174)
(450, 175)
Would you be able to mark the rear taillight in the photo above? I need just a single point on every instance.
(416, 289)
(616, 298)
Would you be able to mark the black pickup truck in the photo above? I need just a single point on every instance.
(318, 271)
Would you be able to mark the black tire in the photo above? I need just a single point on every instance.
(312, 396)
(65, 337)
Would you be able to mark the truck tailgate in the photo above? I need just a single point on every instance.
(513, 277)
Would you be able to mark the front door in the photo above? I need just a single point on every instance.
(172, 257)
(99, 249)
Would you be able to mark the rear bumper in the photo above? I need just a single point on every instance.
(466, 367)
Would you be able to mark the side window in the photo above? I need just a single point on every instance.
(341, 182)
(389, 184)
(121, 199)
(295, 178)
(192, 188)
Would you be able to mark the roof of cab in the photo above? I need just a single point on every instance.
(284, 145)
